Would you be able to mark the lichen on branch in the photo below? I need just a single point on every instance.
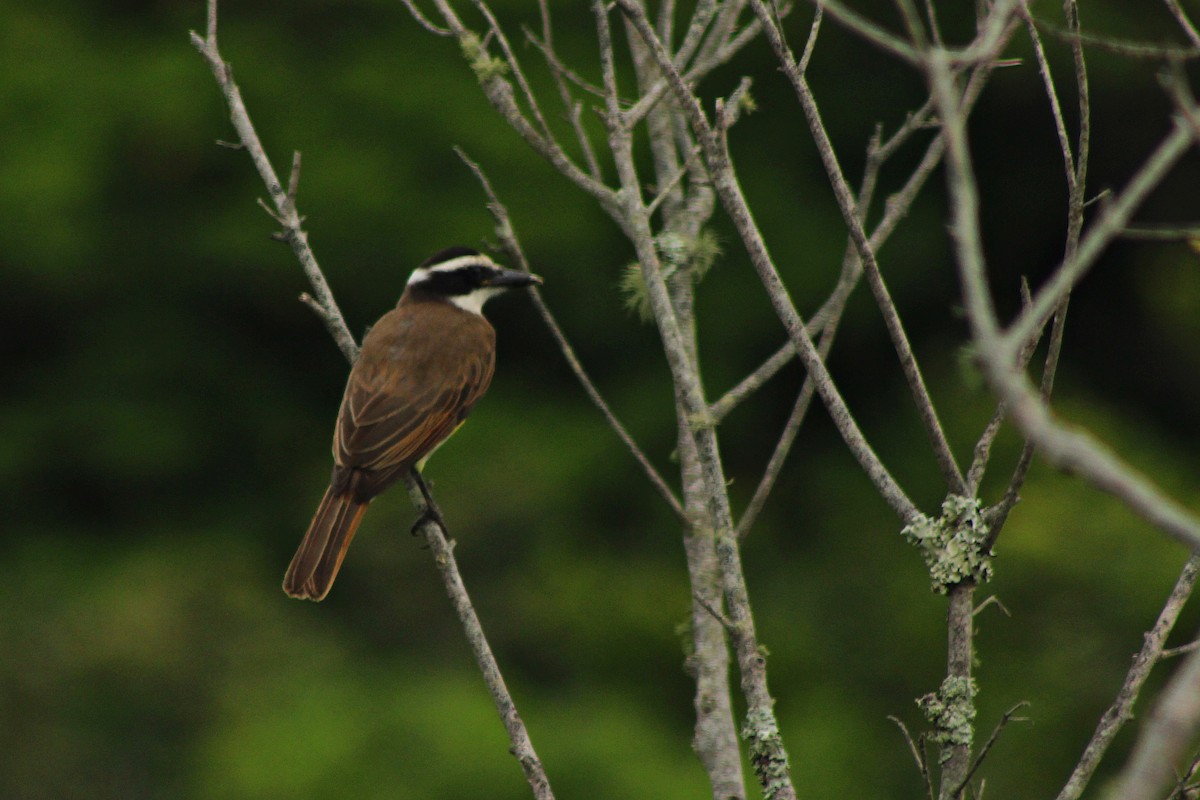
(951, 712)
(954, 545)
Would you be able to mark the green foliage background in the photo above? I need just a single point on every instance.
(167, 407)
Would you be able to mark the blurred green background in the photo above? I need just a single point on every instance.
(168, 404)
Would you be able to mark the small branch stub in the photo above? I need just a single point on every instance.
(954, 545)
(951, 712)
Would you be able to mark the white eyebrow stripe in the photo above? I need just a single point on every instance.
(455, 263)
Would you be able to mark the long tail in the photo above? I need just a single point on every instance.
(320, 555)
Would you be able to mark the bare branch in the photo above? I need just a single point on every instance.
(1064, 447)
(782, 447)
(1165, 737)
(856, 23)
(1060, 126)
(1123, 47)
(511, 245)
(283, 201)
(1184, 22)
(510, 58)
(725, 182)
(853, 219)
(811, 43)
(325, 306)
(1009, 716)
(499, 93)
(442, 550)
(918, 755)
(960, 628)
(1121, 711)
(753, 382)
(424, 21)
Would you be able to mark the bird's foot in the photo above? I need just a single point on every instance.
(430, 514)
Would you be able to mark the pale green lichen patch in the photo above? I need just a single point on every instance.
(954, 545)
(482, 63)
(677, 253)
(951, 712)
(767, 755)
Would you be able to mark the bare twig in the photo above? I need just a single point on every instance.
(442, 549)
(512, 246)
(1121, 711)
(1183, 649)
(1066, 448)
(853, 219)
(779, 454)
(1164, 738)
(725, 182)
(327, 309)
(284, 201)
(1162, 233)
(1123, 47)
(857, 23)
(499, 93)
(510, 58)
(918, 754)
(424, 21)
(561, 75)
(1009, 716)
(1184, 22)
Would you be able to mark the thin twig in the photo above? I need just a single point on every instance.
(326, 307)
(1162, 233)
(811, 43)
(853, 220)
(283, 201)
(753, 382)
(1060, 125)
(1066, 448)
(1121, 711)
(424, 21)
(779, 455)
(1008, 717)
(510, 58)
(499, 92)
(857, 23)
(1184, 22)
(1164, 738)
(1123, 47)
(917, 754)
(725, 182)
(442, 550)
(1183, 649)
(510, 243)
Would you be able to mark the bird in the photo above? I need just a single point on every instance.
(422, 368)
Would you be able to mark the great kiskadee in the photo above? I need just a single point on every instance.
(421, 370)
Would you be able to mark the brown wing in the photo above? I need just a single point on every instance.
(421, 370)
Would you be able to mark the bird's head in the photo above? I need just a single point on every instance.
(466, 278)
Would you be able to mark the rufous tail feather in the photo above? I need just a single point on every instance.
(317, 560)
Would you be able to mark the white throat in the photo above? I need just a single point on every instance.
(474, 301)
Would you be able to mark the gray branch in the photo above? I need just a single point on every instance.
(324, 304)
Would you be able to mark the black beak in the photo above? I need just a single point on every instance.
(514, 279)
